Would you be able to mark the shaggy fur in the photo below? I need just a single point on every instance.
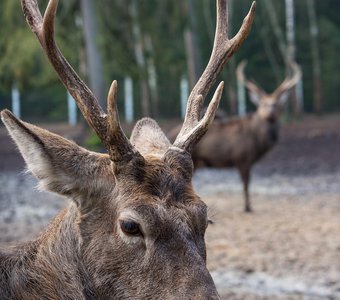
(84, 253)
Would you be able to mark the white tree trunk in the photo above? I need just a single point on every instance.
(139, 54)
(290, 29)
(94, 61)
(152, 76)
(291, 53)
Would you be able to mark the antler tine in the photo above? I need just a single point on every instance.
(188, 140)
(223, 50)
(108, 130)
(290, 81)
(247, 83)
(118, 146)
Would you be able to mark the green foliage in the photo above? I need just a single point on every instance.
(162, 23)
(24, 65)
(93, 142)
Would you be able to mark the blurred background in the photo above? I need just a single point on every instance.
(155, 45)
(290, 247)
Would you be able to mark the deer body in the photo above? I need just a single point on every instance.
(47, 268)
(236, 143)
(134, 228)
(242, 141)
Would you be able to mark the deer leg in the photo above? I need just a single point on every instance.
(245, 176)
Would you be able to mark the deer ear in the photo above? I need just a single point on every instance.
(254, 97)
(149, 139)
(60, 165)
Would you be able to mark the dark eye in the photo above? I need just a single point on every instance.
(130, 227)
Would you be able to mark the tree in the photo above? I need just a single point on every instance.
(314, 32)
(94, 61)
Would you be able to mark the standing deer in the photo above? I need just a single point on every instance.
(241, 142)
(134, 228)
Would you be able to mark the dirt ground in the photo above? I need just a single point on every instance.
(289, 248)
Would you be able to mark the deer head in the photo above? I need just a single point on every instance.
(140, 226)
(269, 105)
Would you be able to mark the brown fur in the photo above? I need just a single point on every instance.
(238, 143)
(84, 254)
(242, 141)
(134, 228)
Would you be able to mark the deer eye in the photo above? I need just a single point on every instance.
(130, 227)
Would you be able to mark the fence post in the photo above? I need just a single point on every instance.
(184, 95)
(16, 102)
(128, 98)
(241, 96)
(72, 110)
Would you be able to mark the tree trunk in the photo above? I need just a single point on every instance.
(189, 49)
(274, 21)
(152, 76)
(263, 33)
(94, 61)
(314, 32)
(194, 39)
(231, 82)
(290, 30)
(139, 53)
(291, 50)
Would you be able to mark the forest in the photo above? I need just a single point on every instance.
(155, 44)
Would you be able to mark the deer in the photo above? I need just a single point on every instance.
(242, 141)
(134, 227)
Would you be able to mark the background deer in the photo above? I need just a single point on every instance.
(134, 228)
(241, 142)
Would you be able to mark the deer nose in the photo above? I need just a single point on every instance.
(201, 289)
(205, 290)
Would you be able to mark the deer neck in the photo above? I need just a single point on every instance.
(52, 260)
(267, 131)
(259, 120)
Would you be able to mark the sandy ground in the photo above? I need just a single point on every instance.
(288, 249)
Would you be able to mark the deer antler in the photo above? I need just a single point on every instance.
(251, 86)
(193, 128)
(290, 81)
(106, 126)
